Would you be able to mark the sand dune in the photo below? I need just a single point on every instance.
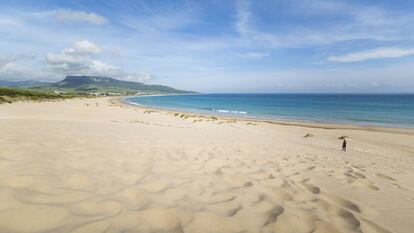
(94, 165)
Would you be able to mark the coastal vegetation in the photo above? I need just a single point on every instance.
(12, 94)
(78, 86)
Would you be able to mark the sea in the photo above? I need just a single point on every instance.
(389, 110)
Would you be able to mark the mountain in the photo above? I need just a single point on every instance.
(27, 83)
(106, 84)
(88, 84)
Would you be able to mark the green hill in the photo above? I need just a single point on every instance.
(106, 85)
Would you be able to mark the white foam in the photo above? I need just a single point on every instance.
(229, 111)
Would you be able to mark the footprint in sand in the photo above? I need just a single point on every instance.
(227, 209)
(359, 180)
(267, 212)
(380, 175)
(344, 219)
(363, 184)
(216, 198)
(340, 212)
(359, 175)
(309, 187)
(397, 186)
(341, 202)
(293, 223)
(310, 168)
(368, 226)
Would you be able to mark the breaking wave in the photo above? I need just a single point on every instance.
(229, 111)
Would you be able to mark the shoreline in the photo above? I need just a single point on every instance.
(307, 124)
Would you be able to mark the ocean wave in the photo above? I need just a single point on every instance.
(229, 111)
(133, 103)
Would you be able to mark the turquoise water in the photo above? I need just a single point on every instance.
(362, 109)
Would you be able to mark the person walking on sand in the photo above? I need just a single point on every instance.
(344, 145)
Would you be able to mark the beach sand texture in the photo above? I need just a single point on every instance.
(92, 165)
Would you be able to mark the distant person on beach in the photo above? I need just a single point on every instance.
(344, 145)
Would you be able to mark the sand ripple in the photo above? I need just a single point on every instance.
(111, 175)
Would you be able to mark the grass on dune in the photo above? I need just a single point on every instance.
(9, 95)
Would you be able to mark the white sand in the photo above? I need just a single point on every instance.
(72, 166)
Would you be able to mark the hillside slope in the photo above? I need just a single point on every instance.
(106, 84)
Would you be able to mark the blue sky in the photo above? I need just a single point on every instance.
(215, 46)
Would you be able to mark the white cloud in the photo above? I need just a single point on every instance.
(254, 55)
(78, 60)
(20, 67)
(82, 60)
(138, 77)
(67, 64)
(67, 15)
(103, 68)
(350, 22)
(372, 54)
(8, 68)
(83, 47)
(152, 17)
(243, 17)
(13, 72)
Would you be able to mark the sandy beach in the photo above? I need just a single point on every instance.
(96, 165)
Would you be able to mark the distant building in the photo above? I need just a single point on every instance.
(95, 93)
